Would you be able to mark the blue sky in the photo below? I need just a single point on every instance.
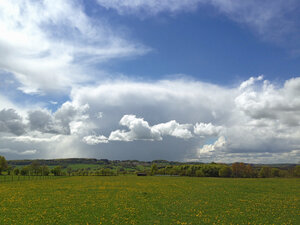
(207, 47)
(199, 80)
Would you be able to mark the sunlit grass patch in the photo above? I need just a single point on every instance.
(150, 200)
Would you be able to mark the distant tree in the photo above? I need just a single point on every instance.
(238, 169)
(69, 171)
(9, 170)
(265, 172)
(248, 172)
(35, 168)
(3, 164)
(57, 171)
(16, 171)
(283, 173)
(225, 171)
(296, 171)
(45, 170)
(275, 172)
(189, 172)
(199, 173)
(210, 170)
(24, 171)
(154, 168)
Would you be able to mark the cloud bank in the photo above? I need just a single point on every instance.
(186, 120)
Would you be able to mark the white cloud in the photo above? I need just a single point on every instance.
(34, 138)
(29, 152)
(207, 129)
(212, 148)
(51, 46)
(270, 103)
(68, 118)
(151, 7)
(93, 139)
(139, 129)
(172, 128)
(250, 82)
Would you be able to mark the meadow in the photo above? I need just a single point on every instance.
(150, 200)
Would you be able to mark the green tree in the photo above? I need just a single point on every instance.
(154, 168)
(45, 170)
(199, 173)
(24, 171)
(3, 164)
(275, 172)
(69, 171)
(57, 171)
(296, 171)
(225, 171)
(16, 171)
(35, 168)
(265, 172)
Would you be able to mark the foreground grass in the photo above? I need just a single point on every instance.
(150, 200)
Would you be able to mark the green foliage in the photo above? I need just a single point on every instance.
(16, 171)
(264, 172)
(154, 168)
(3, 164)
(275, 172)
(35, 168)
(296, 171)
(25, 171)
(69, 171)
(45, 170)
(225, 171)
(57, 171)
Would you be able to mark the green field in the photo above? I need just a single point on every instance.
(150, 200)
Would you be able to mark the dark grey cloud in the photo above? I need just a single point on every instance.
(11, 122)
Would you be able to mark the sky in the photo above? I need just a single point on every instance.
(181, 80)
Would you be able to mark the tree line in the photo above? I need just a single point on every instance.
(157, 167)
(236, 170)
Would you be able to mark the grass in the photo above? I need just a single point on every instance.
(150, 200)
(9, 178)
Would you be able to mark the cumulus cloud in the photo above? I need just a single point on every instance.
(139, 129)
(270, 103)
(207, 129)
(68, 118)
(41, 44)
(172, 128)
(212, 148)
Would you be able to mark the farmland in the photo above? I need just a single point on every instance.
(150, 200)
